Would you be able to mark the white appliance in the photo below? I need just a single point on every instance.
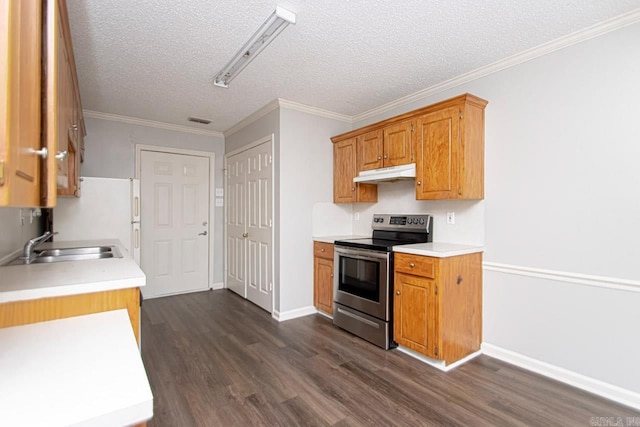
(109, 208)
(391, 173)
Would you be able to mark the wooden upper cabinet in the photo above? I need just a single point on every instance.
(20, 103)
(398, 147)
(63, 101)
(444, 140)
(389, 146)
(449, 146)
(370, 149)
(38, 95)
(344, 170)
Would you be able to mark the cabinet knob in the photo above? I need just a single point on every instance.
(385, 156)
(42, 153)
(379, 157)
(353, 188)
(419, 182)
(397, 292)
(411, 265)
(331, 274)
(322, 250)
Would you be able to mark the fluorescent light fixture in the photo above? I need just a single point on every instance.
(268, 31)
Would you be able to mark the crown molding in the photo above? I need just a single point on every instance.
(291, 105)
(273, 105)
(593, 31)
(149, 123)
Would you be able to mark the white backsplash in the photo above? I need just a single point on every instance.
(329, 219)
(399, 197)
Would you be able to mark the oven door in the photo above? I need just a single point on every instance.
(362, 281)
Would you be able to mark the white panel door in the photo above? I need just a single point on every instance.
(236, 224)
(249, 225)
(259, 221)
(174, 223)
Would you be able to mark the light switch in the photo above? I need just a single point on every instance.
(219, 202)
(219, 193)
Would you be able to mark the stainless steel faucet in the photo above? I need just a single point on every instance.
(31, 245)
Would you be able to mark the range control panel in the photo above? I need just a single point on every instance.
(400, 222)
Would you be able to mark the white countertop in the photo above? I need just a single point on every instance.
(33, 281)
(332, 239)
(438, 249)
(79, 371)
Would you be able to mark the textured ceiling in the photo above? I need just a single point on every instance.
(156, 59)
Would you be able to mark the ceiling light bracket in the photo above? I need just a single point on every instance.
(268, 31)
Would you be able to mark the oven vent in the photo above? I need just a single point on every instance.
(198, 120)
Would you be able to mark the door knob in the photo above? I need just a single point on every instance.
(204, 233)
(245, 235)
(62, 155)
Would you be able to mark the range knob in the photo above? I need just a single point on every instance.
(421, 221)
(410, 221)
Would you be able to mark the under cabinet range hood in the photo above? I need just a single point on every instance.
(393, 173)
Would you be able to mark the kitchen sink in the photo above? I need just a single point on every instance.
(45, 256)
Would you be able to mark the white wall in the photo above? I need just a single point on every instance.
(110, 153)
(13, 236)
(562, 193)
(306, 179)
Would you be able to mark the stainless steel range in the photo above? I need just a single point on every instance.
(363, 283)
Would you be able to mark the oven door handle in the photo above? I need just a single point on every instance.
(362, 254)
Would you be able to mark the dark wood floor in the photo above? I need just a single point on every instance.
(214, 359)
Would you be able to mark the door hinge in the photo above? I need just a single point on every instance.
(435, 351)
(436, 289)
(460, 114)
(270, 159)
(459, 191)
(270, 223)
(411, 127)
(270, 286)
(1, 172)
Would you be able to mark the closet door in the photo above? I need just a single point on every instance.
(250, 224)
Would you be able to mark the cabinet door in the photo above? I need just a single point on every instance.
(20, 102)
(415, 313)
(344, 170)
(370, 150)
(398, 144)
(437, 148)
(323, 284)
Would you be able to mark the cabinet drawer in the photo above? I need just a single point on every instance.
(415, 264)
(323, 250)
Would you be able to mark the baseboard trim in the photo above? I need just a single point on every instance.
(218, 285)
(563, 276)
(293, 314)
(438, 364)
(592, 385)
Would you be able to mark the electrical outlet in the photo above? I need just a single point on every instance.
(451, 217)
(219, 202)
(219, 192)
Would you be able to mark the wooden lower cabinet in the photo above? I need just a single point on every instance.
(323, 276)
(43, 309)
(438, 305)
